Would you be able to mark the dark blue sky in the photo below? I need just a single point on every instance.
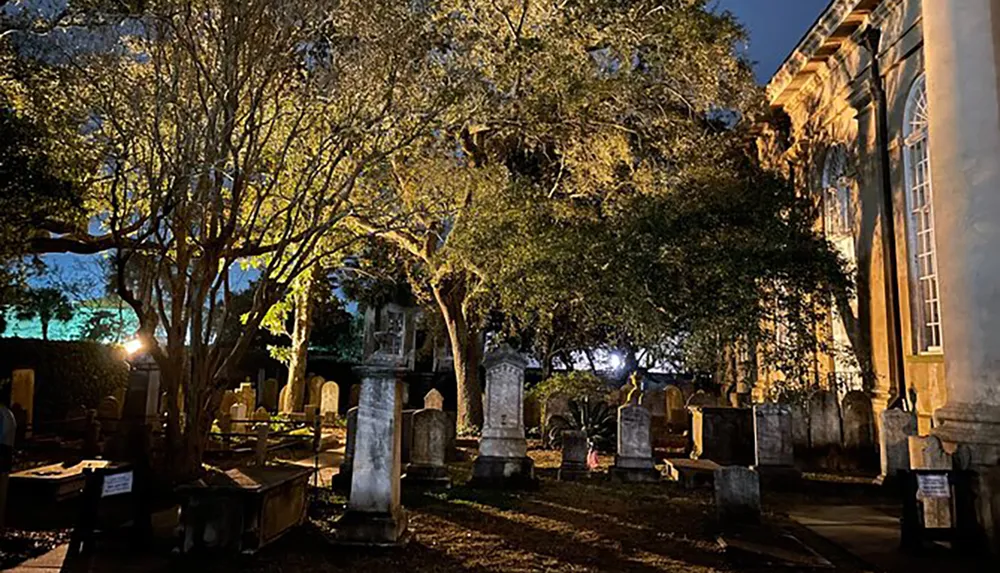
(776, 26)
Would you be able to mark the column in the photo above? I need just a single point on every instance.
(960, 46)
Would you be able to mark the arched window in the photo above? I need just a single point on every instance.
(837, 186)
(924, 292)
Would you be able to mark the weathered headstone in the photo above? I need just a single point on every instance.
(433, 400)
(315, 390)
(283, 397)
(342, 481)
(723, 435)
(737, 495)
(774, 451)
(656, 402)
(800, 428)
(824, 421)
(355, 396)
(574, 455)
(406, 437)
(702, 398)
(894, 445)
(261, 415)
(374, 514)
(247, 396)
(677, 414)
(503, 459)
(238, 415)
(859, 429)
(926, 453)
(329, 404)
(142, 401)
(228, 399)
(634, 458)
(22, 393)
(269, 394)
(427, 451)
(556, 404)
(109, 412)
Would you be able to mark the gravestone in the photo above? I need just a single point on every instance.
(261, 415)
(228, 399)
(225, 423)
(329, 404)
(800, 428)
(314, 390)
(22, 393)
(142, 400)
(109, 412)
(701, 398)
(406, 439)
(774, 451)
(355, 395)
(656, 402)
(894, 442)
(859, 429)
(824, 421)
(283, 397)
(248, 395)
(723, 435)
(677, 414)
(238, 415)
(503, 459)
(374, 514)
(269, 394)
(433, 400)
(574, 456)
(342, 481)
(634, 457)
(555, 405)
(737, 495)
(926, 453)
(427, 452)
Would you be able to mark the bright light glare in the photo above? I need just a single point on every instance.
(616, 362)
(133, 346)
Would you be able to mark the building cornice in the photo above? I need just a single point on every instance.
(835, 26)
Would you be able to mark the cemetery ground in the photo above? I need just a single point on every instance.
(590, 525)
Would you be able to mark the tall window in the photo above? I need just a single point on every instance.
(925, 293)
(837, 186)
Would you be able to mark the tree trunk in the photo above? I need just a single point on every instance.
(467, 353)
(45, 330)
(296, 395)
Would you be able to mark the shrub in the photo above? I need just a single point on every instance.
(67, 374)
(574, 385)
(594, 417)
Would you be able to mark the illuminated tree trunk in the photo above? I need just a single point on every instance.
(296, 395)
(465, 348)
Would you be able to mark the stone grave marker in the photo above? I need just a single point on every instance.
(355, 395)
(677, 414)
(574, 455)
(737, 495)
(503, 459)
(634, 459)
(269, 394)
(926, 453)
(427, 451)
(283, 397)
(342, 481)
(247, 396)
(824, 421)
(314, 390)
(261, 415)
(228, 399)
(374, 514)
(329, 404)
(22, 393)
(894, 443)
(859, 428)
(656, 402)
(433, 400)
(723, 435)
(800, 428)
(555, 405)
(773, 447)
(702, 398)
(109, 412)
(238, 414)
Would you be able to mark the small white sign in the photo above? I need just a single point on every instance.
(933, 486)
(117, 484)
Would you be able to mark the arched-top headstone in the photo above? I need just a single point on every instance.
(109, 409)
(261, 415)
(859, 423)
(433, 400)
(702, 398)
(656, 402)
(315, 388)
(824, 420)
(228, 399)
(329, 404)
(269, 394)
(673, 406)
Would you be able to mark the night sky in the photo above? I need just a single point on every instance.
(776, 26)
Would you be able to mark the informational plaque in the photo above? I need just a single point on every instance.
(117, 484)
(933, 486)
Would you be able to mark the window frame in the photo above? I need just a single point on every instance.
(922, 265)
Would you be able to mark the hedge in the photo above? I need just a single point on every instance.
(67, 374)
